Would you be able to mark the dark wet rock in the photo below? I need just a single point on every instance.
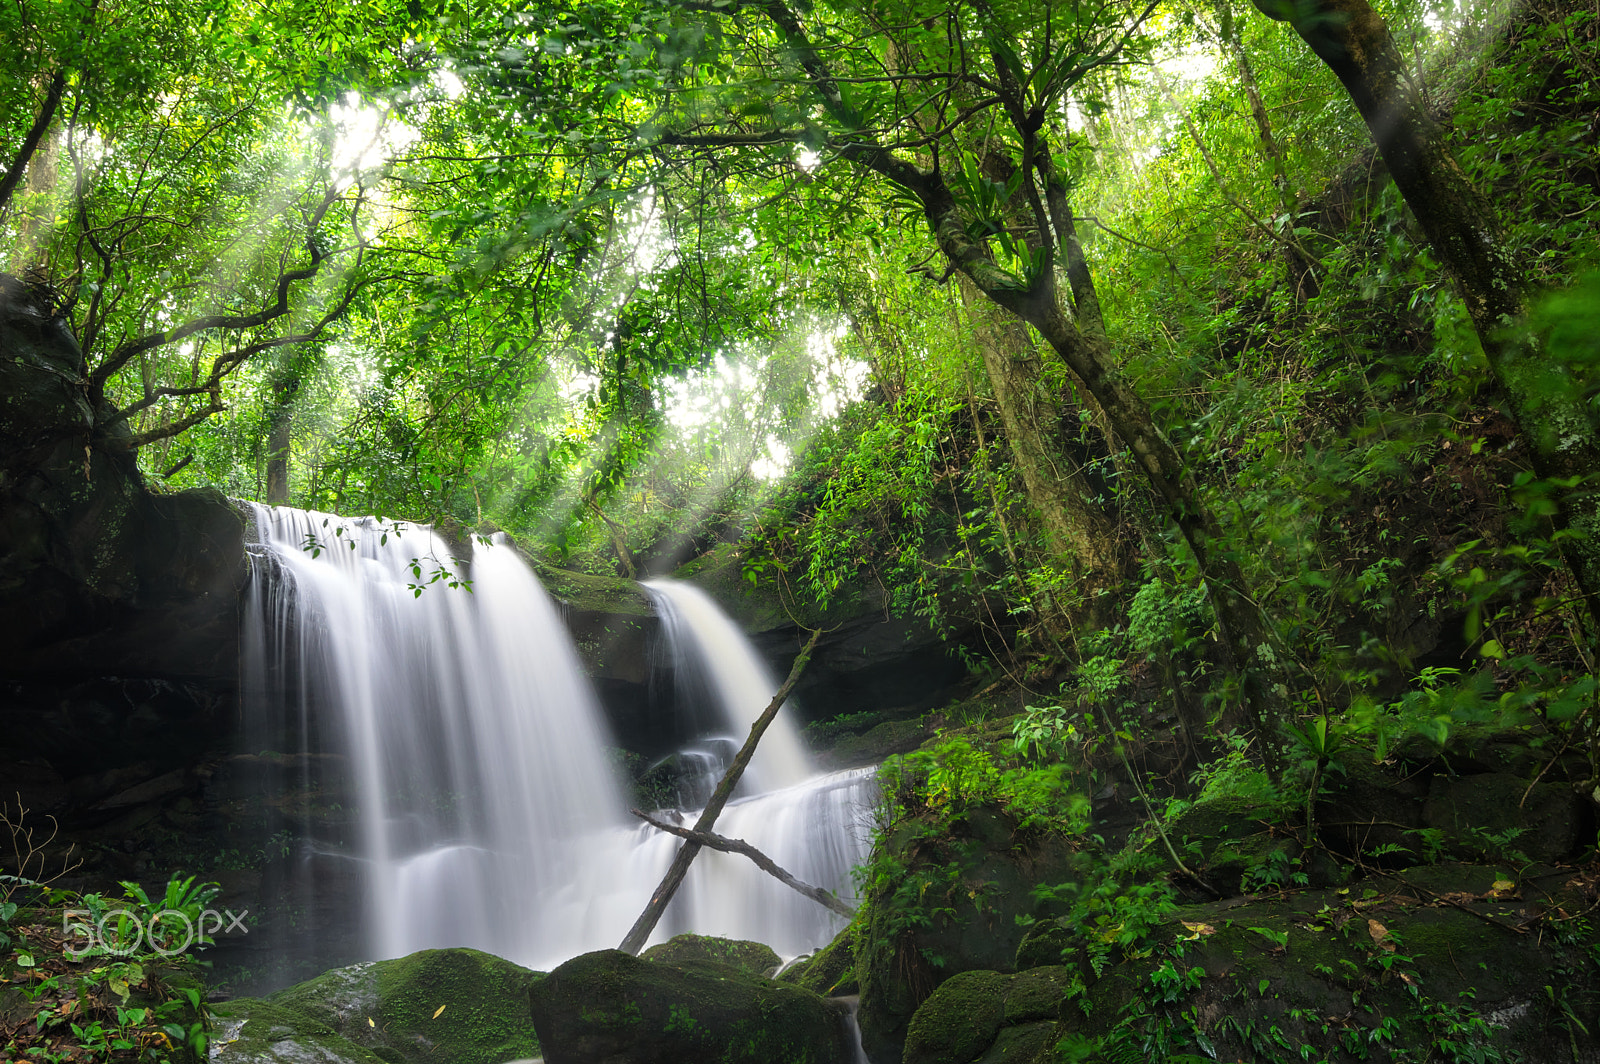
(990, 1017)
(959, 1019)
(608, 1007)
(877, 743)
(968, 884)
(865, 660)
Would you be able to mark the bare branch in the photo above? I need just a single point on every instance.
(713, 841)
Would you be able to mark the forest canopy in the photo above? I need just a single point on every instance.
(1248, 344)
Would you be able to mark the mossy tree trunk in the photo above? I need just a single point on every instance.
(1076, 528)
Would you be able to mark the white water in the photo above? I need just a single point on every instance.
(488, 815)
(706, 643)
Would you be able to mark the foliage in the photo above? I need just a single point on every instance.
(109, 998)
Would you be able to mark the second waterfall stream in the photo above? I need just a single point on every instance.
(458, 725)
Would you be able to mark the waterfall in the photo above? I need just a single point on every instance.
(713, 662)
(443, 751)
(475, 750)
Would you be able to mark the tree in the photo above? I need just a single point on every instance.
(204, 223)
(879, 89)
(1463, 229)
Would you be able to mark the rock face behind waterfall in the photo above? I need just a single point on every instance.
(118, 604)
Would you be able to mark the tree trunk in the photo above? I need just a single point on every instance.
(1301, 274)
(1464, 232)
(1075, 526)
(280, 436)
(18, 164)
(1246, 648)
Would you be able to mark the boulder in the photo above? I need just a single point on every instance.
(1392, 970)
(444, 1006)
(757, 958)
(831, 971)
(612, 1008)
(951, 906)
(990, 1017)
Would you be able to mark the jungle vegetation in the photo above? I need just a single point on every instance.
(1242, 354)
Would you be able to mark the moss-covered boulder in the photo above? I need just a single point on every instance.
(831, 971)
(945, 899)
(445, 1006)
(1440, 962)
(991, 1017)
(1047, 942)
(757, 958)
(877, 743)
(959, 1019)
(611, 1007)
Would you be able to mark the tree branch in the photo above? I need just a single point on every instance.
(30, 143)
(130, 349)
(708, 816)
(713, 841)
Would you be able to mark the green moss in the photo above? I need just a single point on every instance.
(594, 593)
(959, 1020)
(831, 970)
(615, 1006)
(455, 1006)
(483, 1000)
(754, 957)
(1037, 994)
(249, 1029)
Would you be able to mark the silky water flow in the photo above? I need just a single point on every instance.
(455, 732)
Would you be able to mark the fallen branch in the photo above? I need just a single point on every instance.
(713, 841)
(708, 817)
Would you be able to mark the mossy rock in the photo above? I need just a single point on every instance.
(877, 743)
(1048, 942)
(1544, 821)
(608, 1006)
(1037, 993)
(757, 958)
(829, 971)
(974, 879)
(1032, 1043)
(445, 1006)
(959, 1020)
(253, 1031)
(1385, 968)
(594, 593)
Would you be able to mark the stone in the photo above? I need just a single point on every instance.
(757, 958)
(1037, 993)
(446, 1006)
(978, 877)
(959, 1019)
(1552, 824)
(611, 1008)
(831, 971)
(1047, 942)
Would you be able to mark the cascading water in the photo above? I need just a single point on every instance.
(713, 663)
(475, 747)
(458, 727)
(815, 827)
